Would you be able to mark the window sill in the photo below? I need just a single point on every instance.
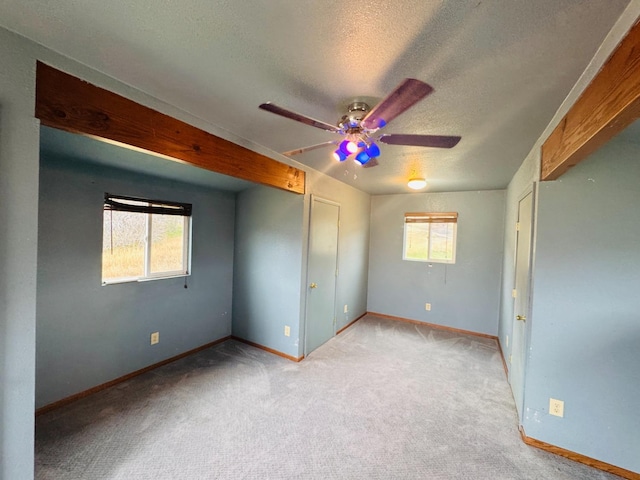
(444, 262)
(144, 279)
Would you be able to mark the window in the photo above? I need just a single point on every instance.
(430, 237)
(144, 239)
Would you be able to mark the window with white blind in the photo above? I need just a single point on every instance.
(144, 239)
(430, 237)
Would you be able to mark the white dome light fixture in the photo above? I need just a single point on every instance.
(417, 183)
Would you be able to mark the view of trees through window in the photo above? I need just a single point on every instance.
(127, 253)
(430, 242)
(441, 241)
(167, 238)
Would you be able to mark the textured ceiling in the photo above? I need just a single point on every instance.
(500, 70)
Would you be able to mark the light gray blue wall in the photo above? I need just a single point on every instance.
(270, 283)
(585, 329)
(88, 334)
(19, 173)
(353, 243)
(18, 249)
(521, 183)
(464, 295)
(267, 268)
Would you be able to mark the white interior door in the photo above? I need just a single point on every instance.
(521, 303)
(322, 273)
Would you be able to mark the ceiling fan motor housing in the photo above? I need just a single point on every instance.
(350, 122)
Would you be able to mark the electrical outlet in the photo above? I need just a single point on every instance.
(427, 307)
(346, 308)
(287, 331)
(556, 407)
(507, 341)
(155, 338)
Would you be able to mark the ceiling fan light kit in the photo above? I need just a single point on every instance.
(364, 150)
(373, 150)
(362, 157)
(339, 156)
(348, 147)
(359, 126)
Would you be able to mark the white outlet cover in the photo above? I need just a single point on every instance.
(346, 309)
(556, 407)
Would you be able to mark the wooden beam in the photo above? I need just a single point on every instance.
(68, 103)
(608, 105)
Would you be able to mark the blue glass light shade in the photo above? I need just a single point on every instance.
(339, 156)
(348, 147)
(373, 150)
(362, 157)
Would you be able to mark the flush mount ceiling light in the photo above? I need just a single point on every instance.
(417, 183)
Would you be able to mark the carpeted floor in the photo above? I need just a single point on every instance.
(383, 400)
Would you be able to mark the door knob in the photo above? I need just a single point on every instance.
(521, 317)
(313, 285)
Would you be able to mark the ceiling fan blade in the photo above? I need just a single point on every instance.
(407, 94)
(283, 112)
(371, 163)
(306, 149)
(438, 141)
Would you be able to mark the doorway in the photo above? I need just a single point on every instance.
(322, 273)
(521, 302)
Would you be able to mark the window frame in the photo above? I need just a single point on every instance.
(152, 207)
(430, 218)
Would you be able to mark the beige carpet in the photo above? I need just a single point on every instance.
(383, 400)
